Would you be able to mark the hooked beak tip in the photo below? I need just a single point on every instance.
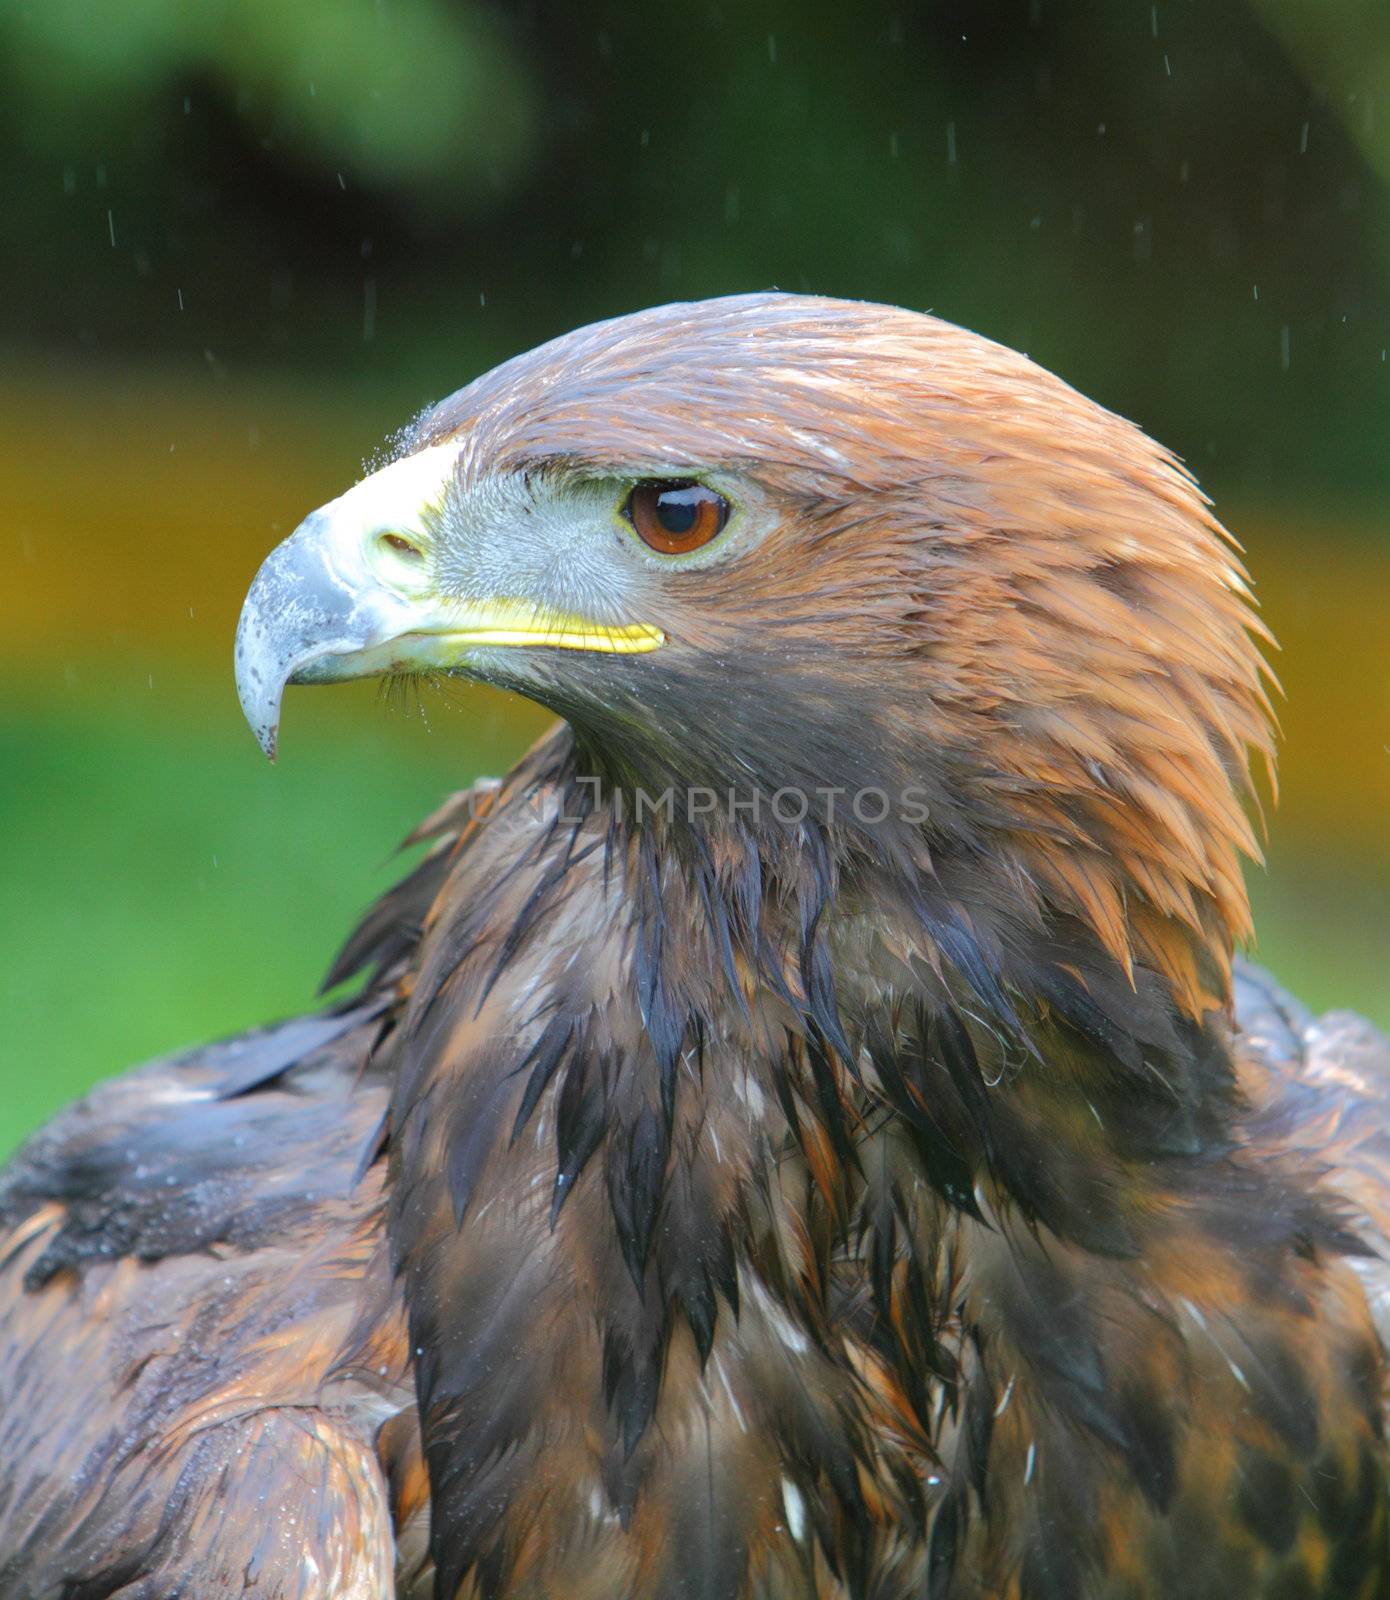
(267, 735)
(259, 688)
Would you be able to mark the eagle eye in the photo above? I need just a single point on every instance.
(675, 516)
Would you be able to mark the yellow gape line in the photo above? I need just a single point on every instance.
(508, 622)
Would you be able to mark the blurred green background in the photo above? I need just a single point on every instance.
(248, 238)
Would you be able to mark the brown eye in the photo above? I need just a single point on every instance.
(676, 518)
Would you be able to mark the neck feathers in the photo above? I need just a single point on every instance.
(697, 1138)
(1021, 1050)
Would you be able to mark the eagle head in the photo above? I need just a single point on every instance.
(783, 548)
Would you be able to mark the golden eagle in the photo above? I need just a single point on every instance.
(801, 1134)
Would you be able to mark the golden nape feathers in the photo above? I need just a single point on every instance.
(802, 1134)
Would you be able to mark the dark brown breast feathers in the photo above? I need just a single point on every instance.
(737, 1262)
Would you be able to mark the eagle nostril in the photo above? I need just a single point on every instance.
(402, 547)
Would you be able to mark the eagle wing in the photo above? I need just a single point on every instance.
(204, 1380)
(182, 1271)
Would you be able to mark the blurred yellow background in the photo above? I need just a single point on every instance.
(248, 239)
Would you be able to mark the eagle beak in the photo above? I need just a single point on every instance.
(350, 594)
(323, 607)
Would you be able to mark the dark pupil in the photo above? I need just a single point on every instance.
(676, 509)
